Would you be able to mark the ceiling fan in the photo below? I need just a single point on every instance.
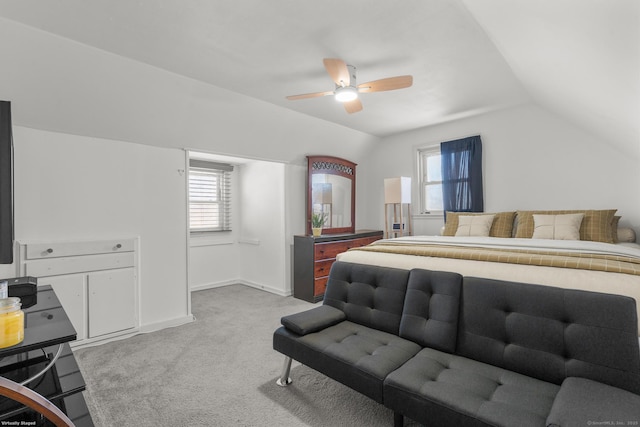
(346, 91)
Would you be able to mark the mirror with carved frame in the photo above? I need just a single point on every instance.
(331, 190)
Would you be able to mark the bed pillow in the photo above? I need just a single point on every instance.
(502, 223)
(474, 225)
(614, 228)
(626, 235)
(596, 224)
(557, 227)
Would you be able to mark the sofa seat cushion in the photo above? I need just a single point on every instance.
(582, 402)
(471, 392)
(353, 354)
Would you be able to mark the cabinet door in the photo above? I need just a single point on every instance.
(112, 301)
(72, 295)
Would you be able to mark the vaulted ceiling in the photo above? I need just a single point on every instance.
(577, 58)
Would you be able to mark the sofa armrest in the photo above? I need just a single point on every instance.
(313, 320)
(583, 402)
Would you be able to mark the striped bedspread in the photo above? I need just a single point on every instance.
(581, 255)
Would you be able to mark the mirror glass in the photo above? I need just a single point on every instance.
(331, 191)
(331, 195)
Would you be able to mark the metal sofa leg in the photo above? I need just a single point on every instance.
(284, 379)
(398, 419)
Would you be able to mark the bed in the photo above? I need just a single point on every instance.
(609, 266)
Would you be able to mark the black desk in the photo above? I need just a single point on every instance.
(46, 336)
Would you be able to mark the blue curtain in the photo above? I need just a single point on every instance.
(462, 175)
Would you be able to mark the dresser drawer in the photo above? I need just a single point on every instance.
(78, 264)
(66, 249)
(319, 286)
(322, 268)
(330, 250)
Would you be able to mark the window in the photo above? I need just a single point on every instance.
(209, 196)
(430, 173)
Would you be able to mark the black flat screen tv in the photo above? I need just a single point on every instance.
(6, 184)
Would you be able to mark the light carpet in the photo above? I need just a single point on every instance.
(217, 371)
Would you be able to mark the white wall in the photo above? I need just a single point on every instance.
(213, 263)
(71, 187)
(262, 219)
(532, 160)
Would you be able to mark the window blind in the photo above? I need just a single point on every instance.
(209, 196)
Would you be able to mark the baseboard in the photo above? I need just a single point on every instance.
(91, 342)
(249, 283)
(265, 288)
(214, 285)
(178, 321)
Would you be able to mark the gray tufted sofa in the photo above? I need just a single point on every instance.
(447, 350)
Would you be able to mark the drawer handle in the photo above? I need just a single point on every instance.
(49, 251)
(118, 246)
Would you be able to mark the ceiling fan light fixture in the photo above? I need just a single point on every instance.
(346, 93)
(346, 90)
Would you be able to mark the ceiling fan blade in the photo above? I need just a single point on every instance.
(353, 106)
(338, 71)
(309, 95)
(390, 83)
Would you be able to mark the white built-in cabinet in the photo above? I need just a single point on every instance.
(96, 282)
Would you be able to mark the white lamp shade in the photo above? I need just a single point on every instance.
(397, 190)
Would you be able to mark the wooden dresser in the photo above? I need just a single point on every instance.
(313, 257)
